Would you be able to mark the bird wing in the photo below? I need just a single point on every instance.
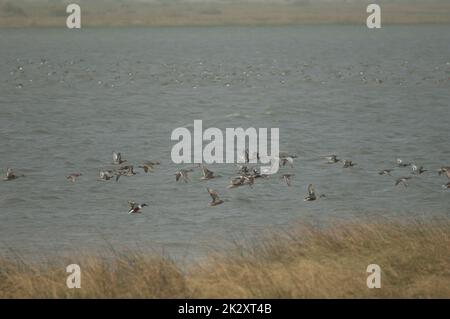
(184, 173)
(237, 180)
(214, 194)
(311, 189)
(9, 173)
(283, 154)
(207, 172)
(288, 180)
(204, 171)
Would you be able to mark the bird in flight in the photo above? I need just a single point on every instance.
(135, 208)
(215, 197)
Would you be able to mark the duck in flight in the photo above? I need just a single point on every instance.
(207, 174)
(286, 158)
(257, 174)
(403, 180)
(131, 204)
(241, 181)
(10, 175)
(106, 175)
(417, 169)
(243, 169)
(348, 163)
(385, 172)
(125, 171)
(182, 174)
(247, 158)
(444, 170)
(135, 208)
(312, 194)
(148, 166)
(401, 164)
(332, 159)
(117, 158)
(215, 197)
(73, 177)
(288, 179)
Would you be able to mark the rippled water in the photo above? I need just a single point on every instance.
(68, 99)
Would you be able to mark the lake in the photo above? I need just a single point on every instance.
(69, 98)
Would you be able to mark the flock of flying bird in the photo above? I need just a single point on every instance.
(246, 175)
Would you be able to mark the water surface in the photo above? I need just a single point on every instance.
(69, 98)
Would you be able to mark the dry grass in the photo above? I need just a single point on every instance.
(304, 262)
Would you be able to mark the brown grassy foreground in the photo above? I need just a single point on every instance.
(304, 262)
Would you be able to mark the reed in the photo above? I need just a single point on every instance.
(302, 262)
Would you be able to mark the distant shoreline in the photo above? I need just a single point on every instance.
(221, 14)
